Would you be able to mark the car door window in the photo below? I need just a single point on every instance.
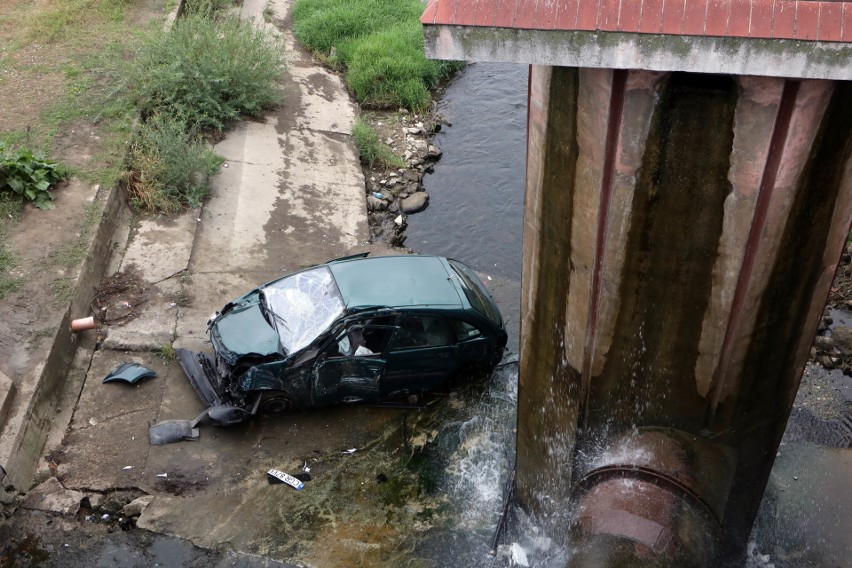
(463, 330)
(417, 332)
(362, 339)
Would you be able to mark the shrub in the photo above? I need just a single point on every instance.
(207, 72)
(168, 169)
(208, 8)
(29, 175)
(372, 149)
(379, 43)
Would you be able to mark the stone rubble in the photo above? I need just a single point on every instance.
(390, 192)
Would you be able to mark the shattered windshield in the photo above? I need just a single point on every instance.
(302, 306)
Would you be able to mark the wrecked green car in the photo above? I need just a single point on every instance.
(352, 330)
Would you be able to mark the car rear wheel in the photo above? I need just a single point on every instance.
(275, 403)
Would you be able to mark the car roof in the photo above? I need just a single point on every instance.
(392, 281)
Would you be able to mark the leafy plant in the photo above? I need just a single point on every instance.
(372, 149)
(167, 168)
(207, 72)
(29, 175)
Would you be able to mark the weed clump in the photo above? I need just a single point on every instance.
(372, 149)
(207, 72)
(380, 45)
(203, 74)
(168, 169)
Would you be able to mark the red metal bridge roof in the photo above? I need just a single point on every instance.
(807, 20)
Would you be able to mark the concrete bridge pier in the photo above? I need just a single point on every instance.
(688, 196)
(681, 234)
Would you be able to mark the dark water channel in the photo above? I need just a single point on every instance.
(476, 207)
(475, 214)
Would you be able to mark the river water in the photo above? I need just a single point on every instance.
(476, 193)
(475, 215)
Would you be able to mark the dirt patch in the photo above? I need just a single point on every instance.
(183, 482)
(119, 298)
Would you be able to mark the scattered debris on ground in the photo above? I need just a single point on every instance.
(119, 298)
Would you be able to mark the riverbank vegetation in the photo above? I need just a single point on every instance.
(379, 46)
(199, 77)
(372, 150)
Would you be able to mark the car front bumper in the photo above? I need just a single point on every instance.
(201, 372)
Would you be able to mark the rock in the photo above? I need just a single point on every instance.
(823, 343)
(413, 130)
(6, 498)
(50, 496)
(842, 338)
(399, 220)
(408, 155)
(420, 146)
(433, 152)
(826, 362)
(135, 507)
(414, 203)
(95, 500)
(376, 204)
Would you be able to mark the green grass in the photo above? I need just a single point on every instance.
(372, 149)
(10, 209)
(63, 290)
(57, 21)
(380, 45)
(167, 353)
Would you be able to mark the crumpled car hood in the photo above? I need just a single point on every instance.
(243, 330)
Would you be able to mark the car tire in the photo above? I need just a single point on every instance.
(275, 403)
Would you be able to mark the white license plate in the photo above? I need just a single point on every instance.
(285, 478)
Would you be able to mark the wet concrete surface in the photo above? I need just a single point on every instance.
(90, 542)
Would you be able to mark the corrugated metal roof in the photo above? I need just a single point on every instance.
(807, 20)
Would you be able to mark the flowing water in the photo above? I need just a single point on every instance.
(475, 215)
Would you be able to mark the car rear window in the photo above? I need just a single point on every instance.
(475, 292)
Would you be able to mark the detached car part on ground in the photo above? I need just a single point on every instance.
(355, 329)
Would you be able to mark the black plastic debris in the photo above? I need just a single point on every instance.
(129, 373)
(274, 476)
(170, 431)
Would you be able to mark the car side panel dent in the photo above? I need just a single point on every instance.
(277, 376)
